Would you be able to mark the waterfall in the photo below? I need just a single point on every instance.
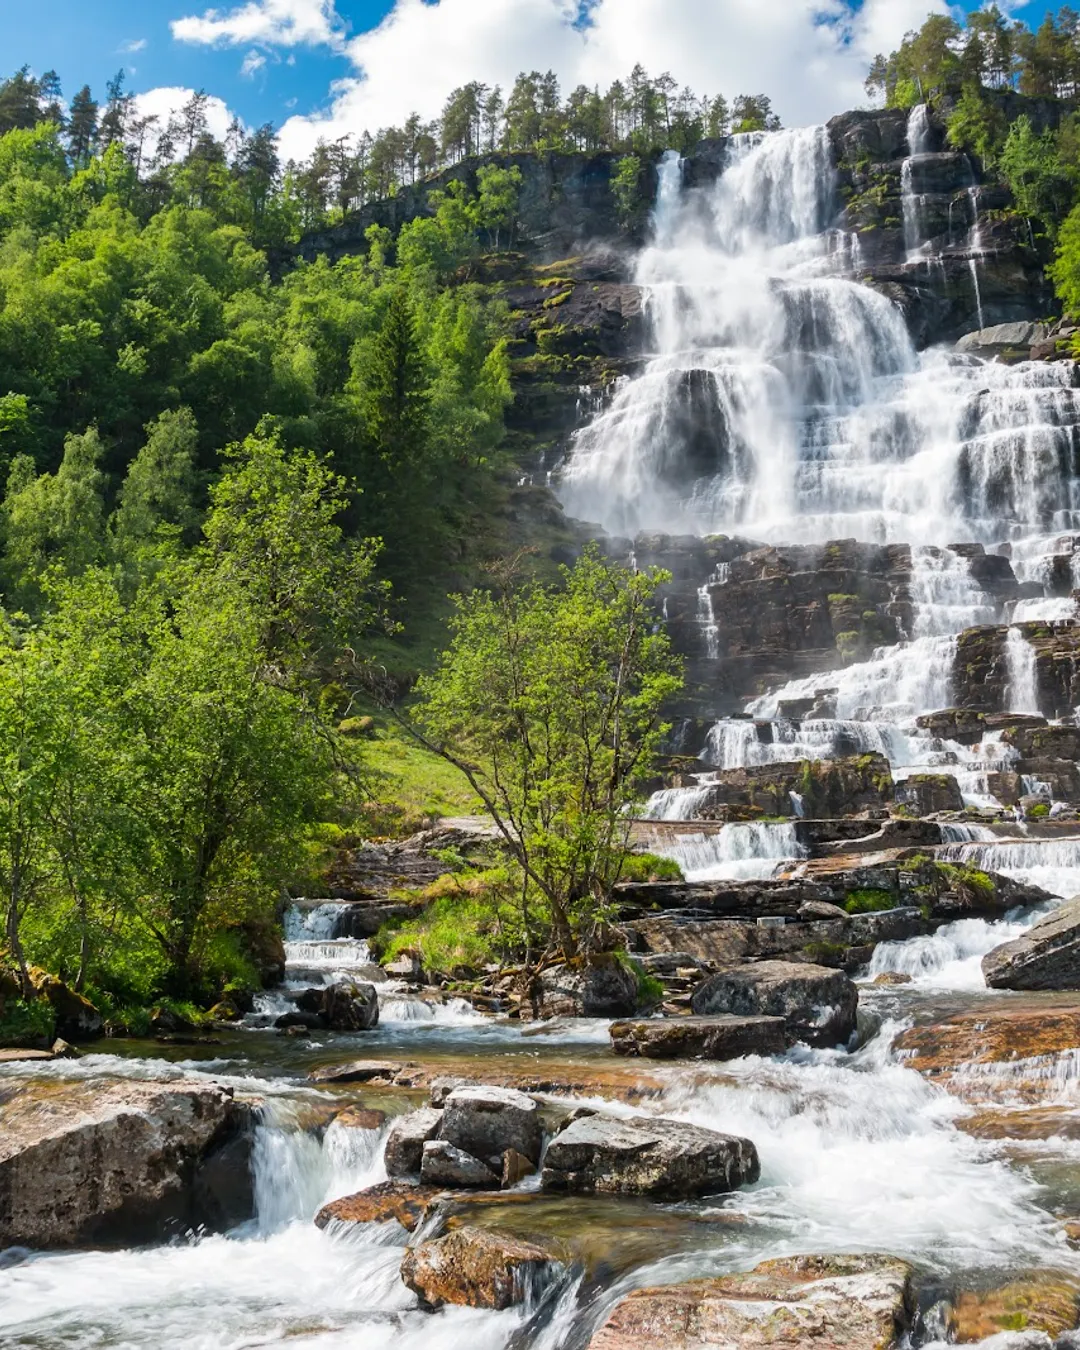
(918, 130)
(734, 852)
(784, 401)
(1022, 693)
(918, 138)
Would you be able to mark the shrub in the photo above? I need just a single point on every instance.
(27, 1023)
(869, 901)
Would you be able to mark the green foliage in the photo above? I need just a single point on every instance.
(1031, 167)
(978, 125)
(27, 1023)
(470, 921)
(548, 702)
(960, 874)
(627, 189)
(650, 867)
(869, 901)
(1039, 811)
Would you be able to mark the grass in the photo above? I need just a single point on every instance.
(413, 780)
(869, 901)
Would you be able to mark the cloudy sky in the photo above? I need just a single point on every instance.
(330, 67)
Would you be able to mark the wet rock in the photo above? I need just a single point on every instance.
(361, 1071)
(1047, 956)
(600, 988)
(925, 794)
(360, 1118)
(443, 1164)
(117, 1162)
(515, 1167)
(819, 1005)
(487, 1121)
(830, 1302)
(407, 1203)
(721, 1037)
(837, 787)
(893, 977)
(296, 1021)
(998, 1053)
(1045, 1301)
(1003, 337)
(406, 1140)
(344, 1006)
(474, 1268)
(963, 725)
(642, 1156)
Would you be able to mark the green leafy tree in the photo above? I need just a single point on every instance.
(627, 191)
(549, 701)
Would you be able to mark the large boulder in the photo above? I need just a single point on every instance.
(342, 1007)
(646, 1156)
(600, 988)
(925, 794)
(1047, 956)
(486, 1121)
(829, 1302)
(474, 1268)
(406, 1139)
(407, 1204)
(700, 1037)
(819, 1005)
(120, 1162)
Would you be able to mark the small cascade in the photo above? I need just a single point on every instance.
(975, 244)
(951, 958)
(707, 620)
(918, 138)
(1051, 864)
(1022, 694)
(735, 852)
(677, 803)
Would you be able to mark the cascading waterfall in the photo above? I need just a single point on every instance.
(734, 852)
(1022, 694)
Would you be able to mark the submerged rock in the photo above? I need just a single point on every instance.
(487, 1121)
(1045, 1301)
(120, 1162)
(830, 1302)
(647, 1156)
(475, 1268)
(1047, 956)
(721, 1037)
(819, 1005)
(407, 1203)
(406, 1140)
(361, 1071)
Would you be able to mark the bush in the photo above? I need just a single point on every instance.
(27, 1024)
(650, 867)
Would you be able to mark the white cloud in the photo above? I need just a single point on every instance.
(252, 64)
(166, 100)
(812, 68)
(286, 23)
(134, 45)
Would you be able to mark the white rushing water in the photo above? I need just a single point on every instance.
(734, 852)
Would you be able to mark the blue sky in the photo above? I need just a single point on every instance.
(325, 66)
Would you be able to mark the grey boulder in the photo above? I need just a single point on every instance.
(646, 1156)
(819, 1005)
(722, 1037)
(444, 1165)
(1047, 956)
(486, 1121)
(406, 1139)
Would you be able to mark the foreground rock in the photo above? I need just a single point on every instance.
(406, 1203)
(1043, 1302)
(642, 1156)
(474, 1268)
(818, 1005)
(121, 1162)
(406, 1139)
(443, 1164)
(721, 1037)
(829, 1302)
(1047, 956)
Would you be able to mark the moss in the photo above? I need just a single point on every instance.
(869, 901)
(914, 863)
(557, 300)
(650, 990)
(840, 599)
(826, 952)
(357, 726)
(1039, 811)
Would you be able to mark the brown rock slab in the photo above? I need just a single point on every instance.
(829, 1302)
(515, 1167)
(407, 1203)
(360, 1118)
(474, 1268)
(721, 1037)
(997, 1054)
(360, 1071)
